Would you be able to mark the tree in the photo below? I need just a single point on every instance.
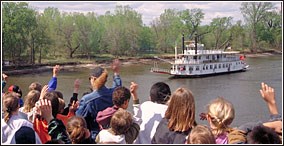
(18, 23)
(191, 19)
(254, 13)
(167, 28)
(219, 27)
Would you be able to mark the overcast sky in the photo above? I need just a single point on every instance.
(151, 10)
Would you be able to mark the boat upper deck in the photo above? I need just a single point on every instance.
(206, 52)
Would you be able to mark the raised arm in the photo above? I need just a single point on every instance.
(56, 128)
(136, 105)
(116, 69)
(268, 95)
(4, 80)
(53, 81)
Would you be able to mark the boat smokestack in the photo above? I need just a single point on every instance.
(195, 44)
(182, 43)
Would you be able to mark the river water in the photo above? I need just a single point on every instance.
(242, 89)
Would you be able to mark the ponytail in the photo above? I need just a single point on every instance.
(10, 104)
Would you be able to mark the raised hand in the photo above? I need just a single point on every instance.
(268, 95)
(116, 66)
(46, 109)
(133, 90)
(4, 77)
(44, 90)
(74, 106)
(56, 69)
(77, 83)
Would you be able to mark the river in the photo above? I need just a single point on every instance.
(242, 89)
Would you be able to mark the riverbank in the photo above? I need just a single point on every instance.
(34, 69)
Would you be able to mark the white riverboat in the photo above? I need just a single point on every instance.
(195, 61)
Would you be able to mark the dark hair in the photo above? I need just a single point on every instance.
(35, 86)
(52, 96)
(160, 92)
(120, 95)
(263, 135)
(55, 141)
(16, 89)
(58, 94)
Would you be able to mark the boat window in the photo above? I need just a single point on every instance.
(215, 66)
(223, 65)
(197, 68)
(211, 66)
(206, 67)
(199, 57)
(219, 65)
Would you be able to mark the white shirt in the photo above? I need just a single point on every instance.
(148, 115)
(105, 136)
(14, 124)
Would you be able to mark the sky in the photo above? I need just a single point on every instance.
(151, 10)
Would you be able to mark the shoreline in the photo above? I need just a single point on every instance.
(106, 63)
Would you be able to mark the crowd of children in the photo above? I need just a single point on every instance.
(101, 116)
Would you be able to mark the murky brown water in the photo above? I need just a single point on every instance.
(242, 89)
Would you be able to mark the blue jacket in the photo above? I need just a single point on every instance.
(94, 102)
(52, 84)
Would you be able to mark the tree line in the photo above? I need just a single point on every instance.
(29, 36)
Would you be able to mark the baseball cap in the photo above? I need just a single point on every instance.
(97, 71)
(15, 88)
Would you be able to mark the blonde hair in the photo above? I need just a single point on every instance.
(222, 114)
(201, 135)
(30, 99)
(121, 121)
(101, 80)
(181, 111)
(77, 129)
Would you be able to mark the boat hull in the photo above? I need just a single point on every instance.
(206, 75)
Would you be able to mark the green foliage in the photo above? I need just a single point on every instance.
(29, 35)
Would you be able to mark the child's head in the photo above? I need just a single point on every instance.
(61, 105)
(160, 92)
(77, 129)
(30, 99)
(52, 96)
(263, 135)
(121, 121)
(16, 89)
(98, 77)
(201, 135)
(120, 97)
(35, 86)
(221, 114)
(181, 111)
(10, 105)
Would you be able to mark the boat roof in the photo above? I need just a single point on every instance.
(229, 52)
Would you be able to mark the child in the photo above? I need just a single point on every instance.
(220, 114)
(78, 131)
(201, 135)
(120, 123)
